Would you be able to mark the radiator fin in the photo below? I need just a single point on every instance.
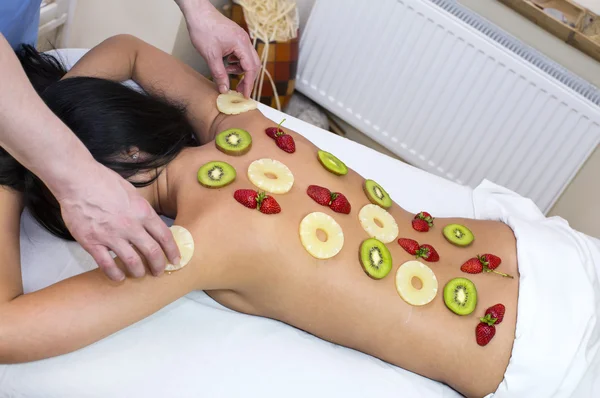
(432, 88)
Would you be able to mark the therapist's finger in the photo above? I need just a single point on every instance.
(250, 65)
(130, 259)
(151, 251)
(219, 74)
(234, 69)
(159, 232)
(106, 263)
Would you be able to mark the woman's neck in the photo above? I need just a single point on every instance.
(157, 194)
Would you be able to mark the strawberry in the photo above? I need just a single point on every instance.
(420, 225)
(472, 266)
(410, 245)
(484, 333)
(339, 203)
(495, 312)
(319, 194)
(428, 253)
(423, 215)
(491, 261)
(247, 197)
(274, 131)
(479, 264)
(286, 142)
(268, 204)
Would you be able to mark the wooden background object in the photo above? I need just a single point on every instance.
(572, 31)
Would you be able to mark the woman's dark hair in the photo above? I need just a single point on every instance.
(109, 118)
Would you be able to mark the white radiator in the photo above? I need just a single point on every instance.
(445, 97)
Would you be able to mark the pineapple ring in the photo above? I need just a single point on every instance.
(310, 225)
(261, 171)
(185, 243)
(370, 216)
(234, 103)
(406, 290)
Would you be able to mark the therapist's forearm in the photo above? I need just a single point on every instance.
(32, 134)
(80, 311)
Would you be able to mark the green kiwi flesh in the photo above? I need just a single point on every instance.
(234, 142)
(332, 164)
(375, 258)
(216, 174)
(376, 194)
(458, 235)
(460, 296)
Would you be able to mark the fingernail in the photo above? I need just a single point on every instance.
(177, 261)
(116, 275)
(222, 89)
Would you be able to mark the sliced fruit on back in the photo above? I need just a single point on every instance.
(235, 142)
(458, 235)
(404, 283)
(185, 242)
(216, 174)
(334, 237)
(233, 103)
(332, 164)
(460, 296)
(376, 194)
(378, 223)
(271, 175)
(375, 258)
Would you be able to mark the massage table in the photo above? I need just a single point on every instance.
(195, 347)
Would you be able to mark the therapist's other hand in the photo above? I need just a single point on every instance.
(216, 37)
(104, 212)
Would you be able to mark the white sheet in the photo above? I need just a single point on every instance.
(195, 347)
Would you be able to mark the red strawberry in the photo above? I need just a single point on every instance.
(420, 225)
(286, 142)
(339, 203)
(491, 261)
(484, 333)
(268, 204)
(274, 131)
(495, 312)
(423, 215)
(477, 265)
(319, 194)
(472, 266)
(410, 245)
(247, 197)
(428, 253)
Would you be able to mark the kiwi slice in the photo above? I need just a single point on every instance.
(332, 164)
(216, 174)
(460, 296)
(375, 258)
(234, 142)
(376, 194)
(458, 235)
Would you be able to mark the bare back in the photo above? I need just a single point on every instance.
(261, 268)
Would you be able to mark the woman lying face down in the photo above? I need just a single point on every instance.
(255, 252)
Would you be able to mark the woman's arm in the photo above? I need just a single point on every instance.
(124, 57)
(80, 310)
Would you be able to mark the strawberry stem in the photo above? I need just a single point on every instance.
(500, 273)
(279, 125)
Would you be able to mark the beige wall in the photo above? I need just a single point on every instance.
(155, 21)
(580, 203)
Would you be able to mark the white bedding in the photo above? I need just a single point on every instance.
(195, 347)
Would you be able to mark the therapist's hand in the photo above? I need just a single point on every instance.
(104, 212)
(216, 37)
